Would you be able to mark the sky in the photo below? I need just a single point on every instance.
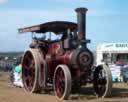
(107, 20)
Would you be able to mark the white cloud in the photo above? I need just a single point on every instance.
(21, 18)
(12, 19)
(34, 16)
(3, 1)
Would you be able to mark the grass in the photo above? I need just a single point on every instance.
(120, 90)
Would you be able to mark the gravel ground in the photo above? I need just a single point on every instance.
(10, 93)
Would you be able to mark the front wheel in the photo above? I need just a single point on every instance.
(31, 65)
(62, 82)
(102, 82)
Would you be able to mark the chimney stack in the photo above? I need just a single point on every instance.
(81, 23)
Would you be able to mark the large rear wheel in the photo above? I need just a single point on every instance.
(62, 82)
(102, 81)
(32, 62)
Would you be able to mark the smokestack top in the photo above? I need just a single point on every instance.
(81, 9)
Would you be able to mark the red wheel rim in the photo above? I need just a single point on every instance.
(28, 71)
(60, 82)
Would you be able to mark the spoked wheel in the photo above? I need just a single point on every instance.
(102, 81)
(30, 70)
(62, 82)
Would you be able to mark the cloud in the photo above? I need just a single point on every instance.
(12, 15)
(21, 18)
(12, 19)
(3, 1)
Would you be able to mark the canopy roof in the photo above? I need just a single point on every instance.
(57, 27)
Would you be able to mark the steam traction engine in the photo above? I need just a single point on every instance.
(65, 64)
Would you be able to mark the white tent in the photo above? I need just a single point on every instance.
(110, 48)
